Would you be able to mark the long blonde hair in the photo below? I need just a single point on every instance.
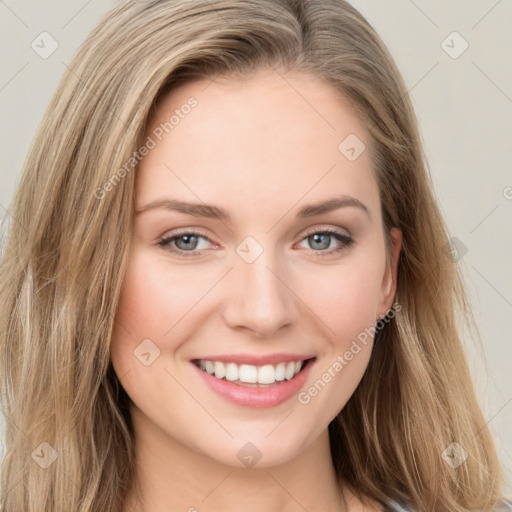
(65, 257)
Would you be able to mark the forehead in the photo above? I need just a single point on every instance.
(265, 139)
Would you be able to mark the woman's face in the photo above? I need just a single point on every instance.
(258, 242)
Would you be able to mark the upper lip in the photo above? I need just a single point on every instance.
(256, 360)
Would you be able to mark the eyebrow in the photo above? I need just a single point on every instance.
(214, 212)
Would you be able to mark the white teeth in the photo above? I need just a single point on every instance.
(231, 371)
(290, 370)
(220, 370)
(280, 371)
(250, 374)
(210, 367)
(266, 374)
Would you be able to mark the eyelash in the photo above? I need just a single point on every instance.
(346, 240)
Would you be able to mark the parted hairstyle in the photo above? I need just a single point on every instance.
(70, 226)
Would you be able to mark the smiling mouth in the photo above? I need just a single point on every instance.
(253, 376)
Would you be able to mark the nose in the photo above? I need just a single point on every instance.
(259, 298)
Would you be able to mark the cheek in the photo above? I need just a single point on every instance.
(146, 310)
(344, 296)
(154, 299)
(156, 303)
(345, 301)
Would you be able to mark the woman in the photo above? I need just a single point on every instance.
(227, 284)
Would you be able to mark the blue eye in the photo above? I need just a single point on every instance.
(186, 242)
(321, 239)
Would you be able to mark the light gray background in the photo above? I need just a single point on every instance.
(464, 106)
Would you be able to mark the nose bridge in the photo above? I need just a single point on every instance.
(258, 297)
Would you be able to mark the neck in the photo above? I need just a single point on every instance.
(174, 477)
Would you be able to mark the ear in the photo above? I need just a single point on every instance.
(389, 280)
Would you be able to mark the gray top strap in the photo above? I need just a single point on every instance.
(506, 506)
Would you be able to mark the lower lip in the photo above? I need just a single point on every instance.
(256, 397)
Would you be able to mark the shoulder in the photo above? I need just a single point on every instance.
(505, 506)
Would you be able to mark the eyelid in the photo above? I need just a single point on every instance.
(184, 231)
(198, 231)
(326, 228)
(345, 239)
(166, 239)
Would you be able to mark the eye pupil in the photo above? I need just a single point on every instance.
(190, 239)
(317, 238)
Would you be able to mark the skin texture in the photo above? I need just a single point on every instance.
(261, 148)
